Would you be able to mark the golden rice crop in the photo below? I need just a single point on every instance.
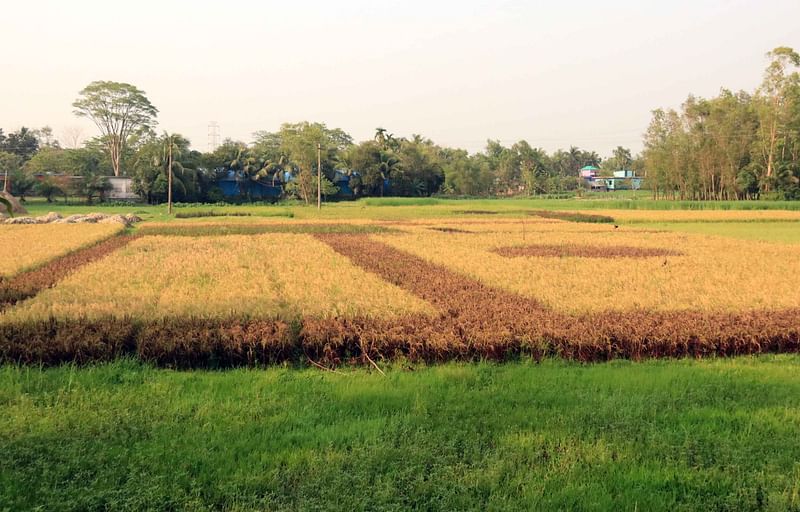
(711, 274)
(263, 276)
(255, 219)
(30, 245)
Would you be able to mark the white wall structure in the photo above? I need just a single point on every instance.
(122, 189)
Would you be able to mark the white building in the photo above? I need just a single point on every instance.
(121, 189)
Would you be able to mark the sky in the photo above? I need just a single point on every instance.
(556, 74)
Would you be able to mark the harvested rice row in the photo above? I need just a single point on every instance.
(583, 251)
(195, 342)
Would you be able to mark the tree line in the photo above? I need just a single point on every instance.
(737, 145)
(287, 159)
(734, 146)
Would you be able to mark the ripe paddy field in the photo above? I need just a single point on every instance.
(396, 354)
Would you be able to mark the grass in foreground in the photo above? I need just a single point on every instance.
(661, 435)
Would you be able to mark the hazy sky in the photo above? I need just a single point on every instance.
(553, 73)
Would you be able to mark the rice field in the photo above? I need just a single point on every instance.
(683, 272)
(247, 290)
(32, 245)
(279, 275)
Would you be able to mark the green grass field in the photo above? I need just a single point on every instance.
(393, 208)
(661, 435)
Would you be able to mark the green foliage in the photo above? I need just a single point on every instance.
(92, 187)
(150, 170)
(465, 175)
(48, 188)
(22, 143)
(22, 184)
(659, 435)
(299, 143)
(10, 163)
(733, 146)
(51, 161)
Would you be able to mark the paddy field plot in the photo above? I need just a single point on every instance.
(31, 245)
(277, 275)
(578, 268)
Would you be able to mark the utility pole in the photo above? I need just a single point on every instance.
(319, 176)
(169, 176)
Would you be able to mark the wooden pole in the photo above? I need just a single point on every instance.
(319, 176)
(169, 177)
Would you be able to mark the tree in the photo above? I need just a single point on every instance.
(151, 170)
(9, 164)
(418, 168)
(22, 143)
(703, 151)
(622, 158)
(92, 186)
(274, 162)
(48, 188)
(119, 111)
(534, 167)
(365, 160)
(773, 96)
(21, 183)
(72, 136)
(51, 161)
(299, 143)
(465, 175)
(15, 180)
(46, 139)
